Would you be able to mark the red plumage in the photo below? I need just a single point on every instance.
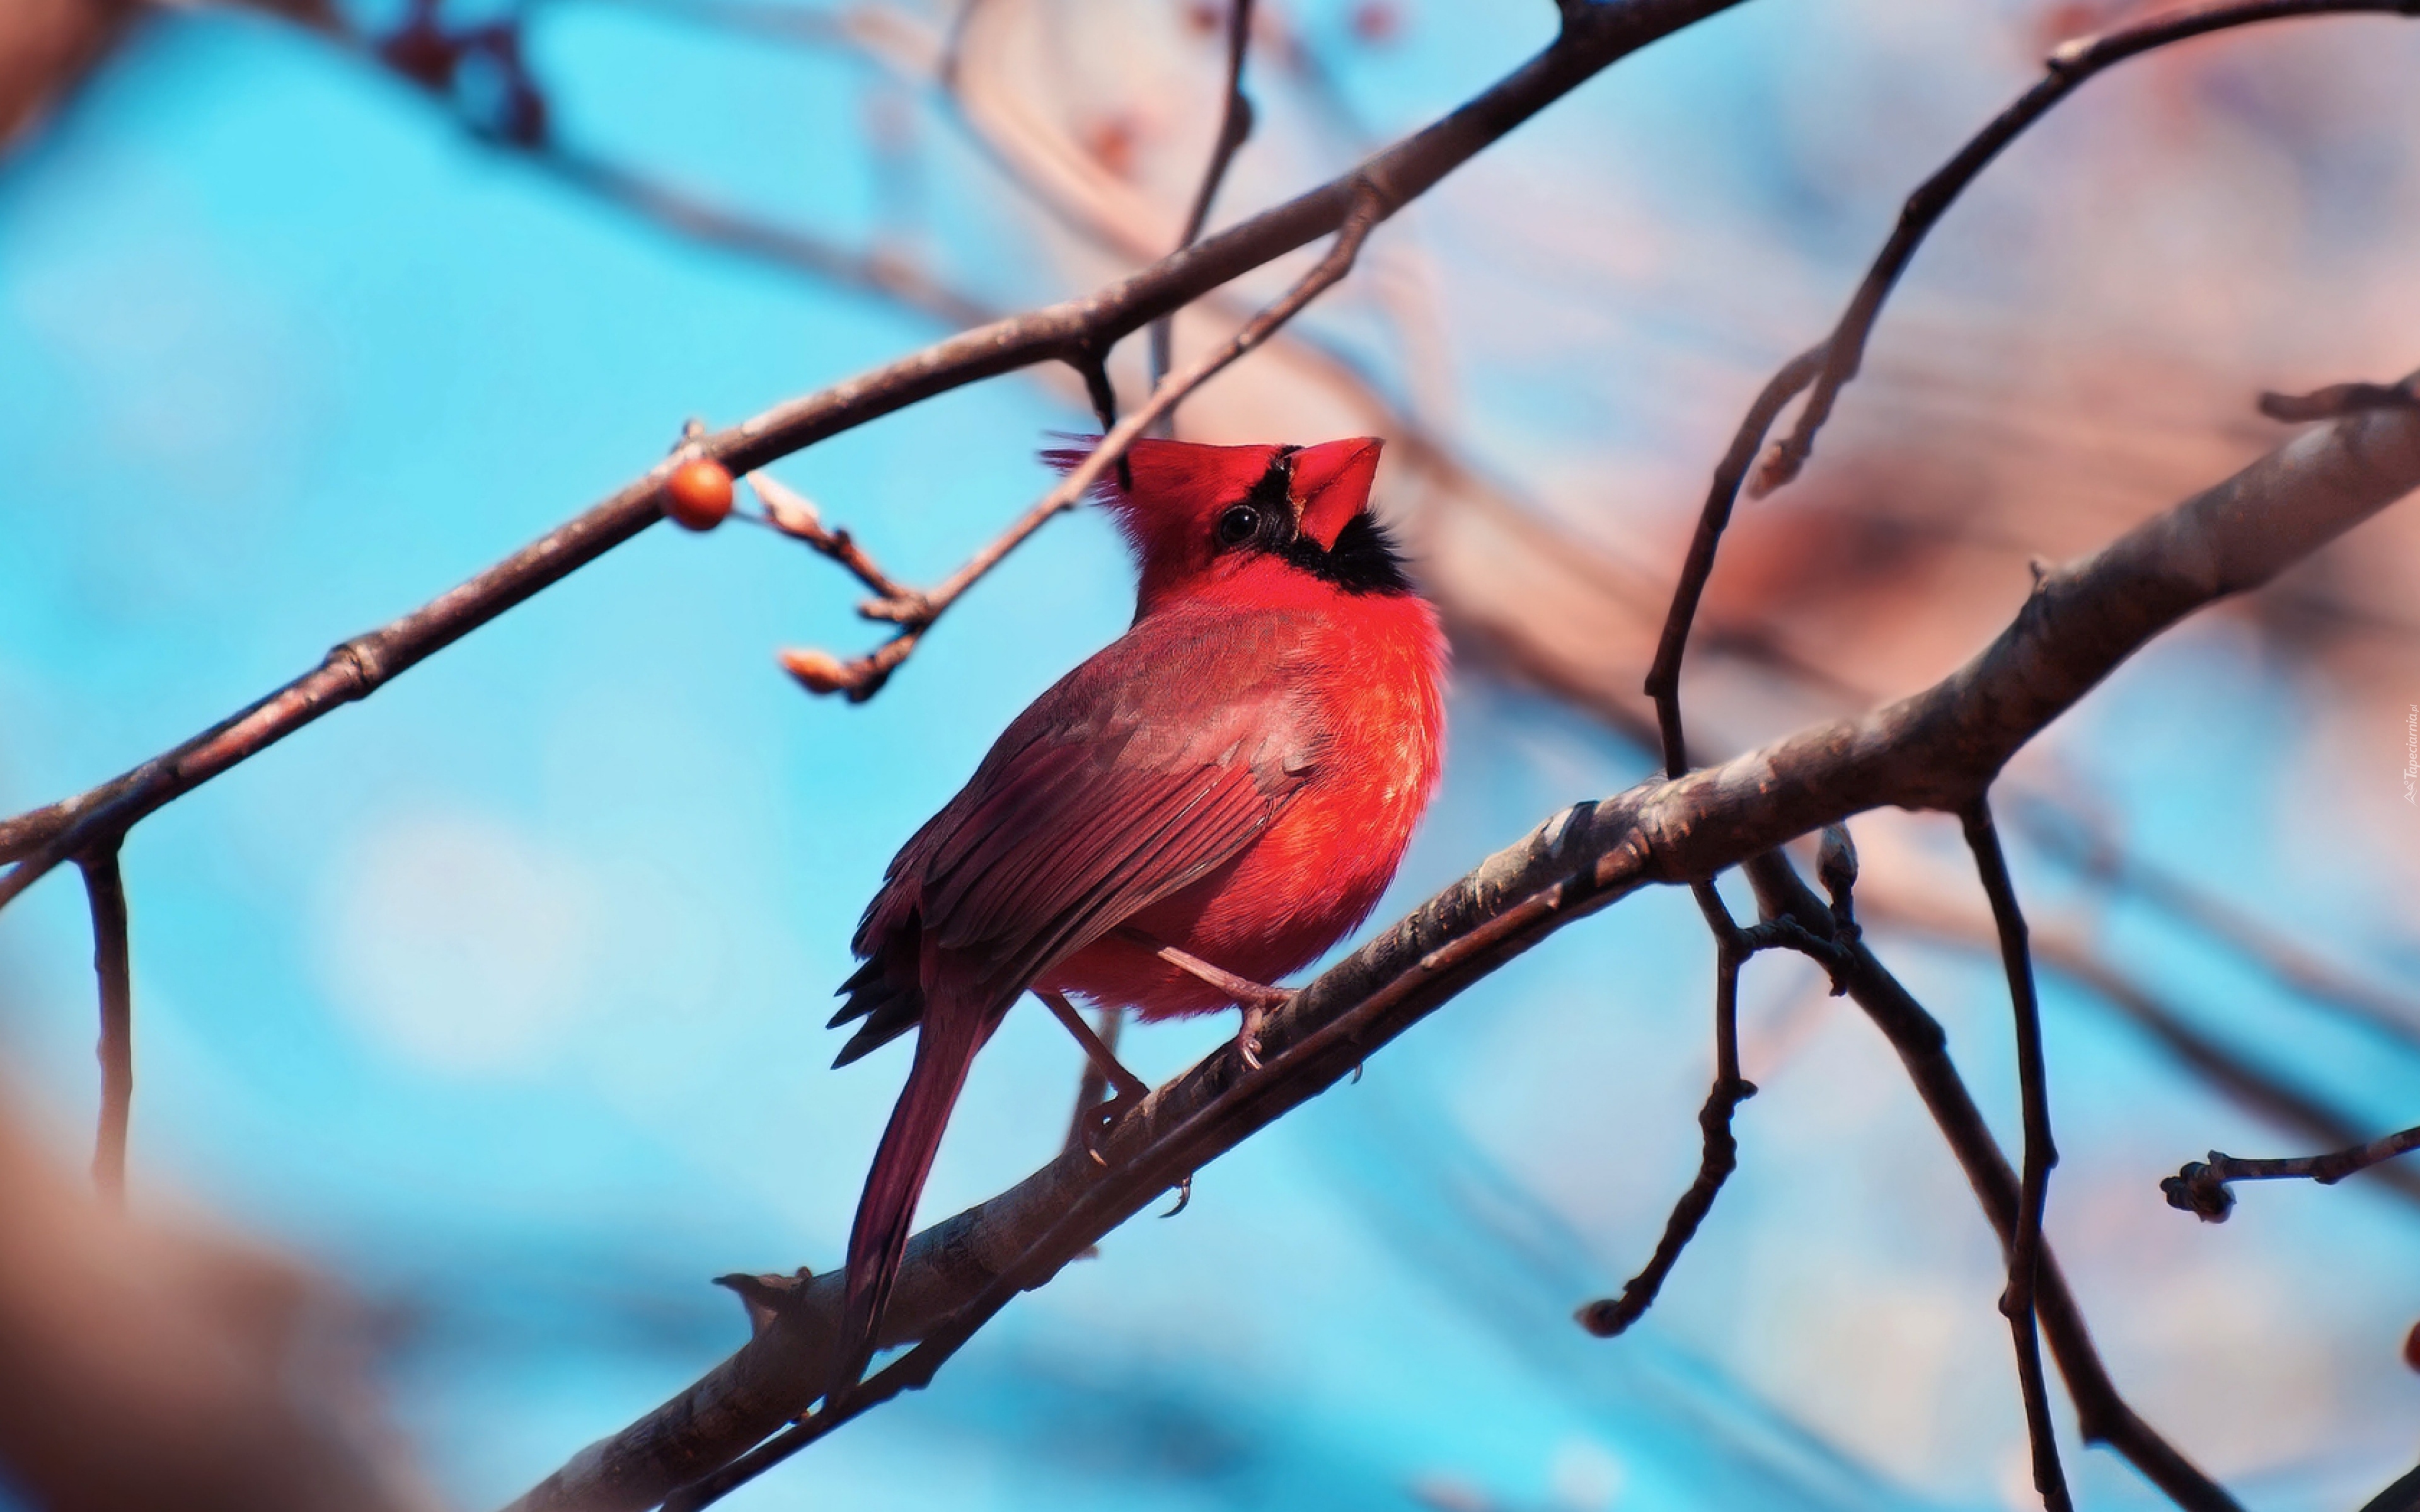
(1236, 775)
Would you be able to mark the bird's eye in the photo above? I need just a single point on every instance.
(1238, 524)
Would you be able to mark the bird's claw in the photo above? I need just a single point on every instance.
(1183, 1196)
(1256, 1010)
(1248, 1038)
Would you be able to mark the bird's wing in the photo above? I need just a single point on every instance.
(1137, 775)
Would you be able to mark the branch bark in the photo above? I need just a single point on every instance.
(1936, 750)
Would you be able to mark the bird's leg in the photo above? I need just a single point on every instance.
(1256, 1000)
(1127, 1088)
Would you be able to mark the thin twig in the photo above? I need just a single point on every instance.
(1719, 1152)
(2200, 1187)
(1827, 367)
(1611, 1316)
(1923, 1050)
(2039, 1153)
(1235, 128)
(2338, 400)
(105, 891)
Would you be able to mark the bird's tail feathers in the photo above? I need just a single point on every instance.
(946, 1042)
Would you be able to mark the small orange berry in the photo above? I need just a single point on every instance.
(819, 671)
(698, 494)
(2412, 1348)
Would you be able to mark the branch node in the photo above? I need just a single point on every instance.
(361, 663)
(1775, 466)
(2072, 54)
(767, 1298)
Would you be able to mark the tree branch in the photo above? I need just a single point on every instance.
(2233, 1074)
(40, 841)
(1936, 749)
(1831, 364)
(1719, 1154)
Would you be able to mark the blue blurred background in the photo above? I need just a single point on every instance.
(500, 996)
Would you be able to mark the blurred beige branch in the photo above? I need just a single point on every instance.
(145, 1367)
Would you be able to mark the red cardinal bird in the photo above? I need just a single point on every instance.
(1204, 806)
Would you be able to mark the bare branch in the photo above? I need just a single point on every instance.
(795, 515)
(1831, 364)
(1609, 1316)
(2338, 400)
(2201, 1188)
(105, 891)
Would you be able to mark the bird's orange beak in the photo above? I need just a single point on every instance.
(1331, 484)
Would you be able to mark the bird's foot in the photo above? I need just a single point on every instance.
(1257, 1010)
(1257, 999)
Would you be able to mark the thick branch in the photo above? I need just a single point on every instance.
(1936, 749)
(40, 841)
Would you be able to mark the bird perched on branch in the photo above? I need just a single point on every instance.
(1200, 808)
